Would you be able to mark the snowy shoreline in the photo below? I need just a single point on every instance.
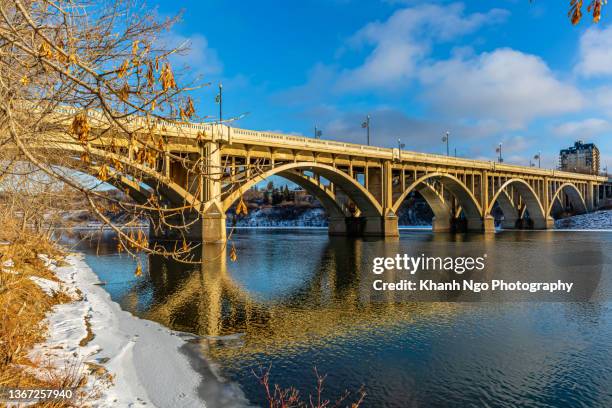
(149, 364)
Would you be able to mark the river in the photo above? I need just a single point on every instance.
(298, 299)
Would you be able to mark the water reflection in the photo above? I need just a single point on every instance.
(299, 299)
(326, 300)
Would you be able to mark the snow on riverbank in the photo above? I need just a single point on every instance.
(594, 220)
(283, 217)
(149, 365)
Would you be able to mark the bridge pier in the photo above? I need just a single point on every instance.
(213, 227)
(210, 227)
(486, 224)
(375, 226)
(544, 224)
(339, 225)
(441, 224)
(191, 232)
(509, 222)
(389, 226)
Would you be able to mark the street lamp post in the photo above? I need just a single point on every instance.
(500, 158)
(317, 132)
(366, 125)
(538, 157)
(400, 146)
(219, 100)
(446, 138)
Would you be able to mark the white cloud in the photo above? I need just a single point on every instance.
(601, 99)
(387, 125)
(320, 82)
(583, 129)
(405, 39)
(595, 52)
(195, 53)
(504, 86)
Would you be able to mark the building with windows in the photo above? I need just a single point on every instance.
(580, 158)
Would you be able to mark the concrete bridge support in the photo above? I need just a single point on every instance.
(364, 226)
(386, 226)
(441, 224)
(213, 214)
(213, 227)
(170, 229)
(590, 196)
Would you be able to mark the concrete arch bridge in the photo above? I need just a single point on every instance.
(361, 187)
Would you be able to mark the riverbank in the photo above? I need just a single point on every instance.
(600, 220)
(132, 362)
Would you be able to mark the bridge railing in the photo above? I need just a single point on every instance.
(209, 130)
(406, 155)
(254, 135)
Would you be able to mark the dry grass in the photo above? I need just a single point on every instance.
(89, 336)
(23, 306)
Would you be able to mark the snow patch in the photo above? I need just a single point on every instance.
(281, 217)
(149, 363)
(598, 220)
(48, 286)
(8, 267)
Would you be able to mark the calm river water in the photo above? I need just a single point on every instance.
(299, 299)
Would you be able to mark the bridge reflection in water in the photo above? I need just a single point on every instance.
(315, 294)
(297, 299)
(292, 290)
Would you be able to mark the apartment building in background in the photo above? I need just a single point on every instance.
(580, 158)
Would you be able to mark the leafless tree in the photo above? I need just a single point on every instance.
(77, 73)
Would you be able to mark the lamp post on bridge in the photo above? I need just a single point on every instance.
(317, 132)
(500, 158)
(366, 125)
(219, 100)
(446, 139)
(400, 146)
(538, 158)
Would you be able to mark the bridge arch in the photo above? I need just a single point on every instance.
(364, 200)
(325, 196)
(464, 196)
(574, 195)
(530, 198)
(436, 202)
(176, 194)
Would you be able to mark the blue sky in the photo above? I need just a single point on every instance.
(512, 71)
